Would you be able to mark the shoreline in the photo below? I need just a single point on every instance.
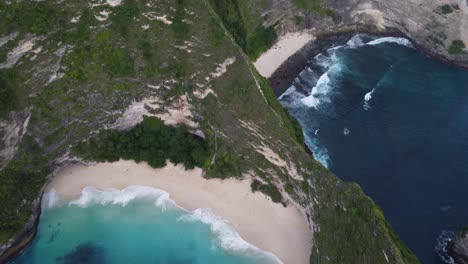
(252, 215)
(283, 77)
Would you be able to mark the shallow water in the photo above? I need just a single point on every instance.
(136, 225)
(382, 114)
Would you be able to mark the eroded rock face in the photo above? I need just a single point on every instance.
(433, 24)
(458, 248)
(12, 129)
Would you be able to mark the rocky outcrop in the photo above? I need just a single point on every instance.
(433, 24)
(439, 27)
(458, 248)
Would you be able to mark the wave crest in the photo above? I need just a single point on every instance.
(225, 234)
(92, 196)
(399, 41)
(441, 246)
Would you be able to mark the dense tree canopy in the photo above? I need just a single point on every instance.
(150, 141)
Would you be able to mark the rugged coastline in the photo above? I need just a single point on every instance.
(36, 216)
(284, 75)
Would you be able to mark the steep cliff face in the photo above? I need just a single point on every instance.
(458, 248)
(440, 27)
(435, 25)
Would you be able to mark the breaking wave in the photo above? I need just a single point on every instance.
(400, 41)
(367, 98)
(441, 247)
(225, 235)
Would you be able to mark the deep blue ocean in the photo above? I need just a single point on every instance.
(380, 113)
(135, 225)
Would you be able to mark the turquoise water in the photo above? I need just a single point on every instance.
(136, 225)
(382, 114)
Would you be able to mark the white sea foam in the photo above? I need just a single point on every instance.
(367, 98)
(92, 196)
(346, 131)
(441, 246)
(225, 234)
(319, 92)
(321, 155)
(50, 199)
(400, 41)
(355, 41)
(368, 95)
(291, 98)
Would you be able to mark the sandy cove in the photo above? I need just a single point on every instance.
(284, 48)
(269, 226)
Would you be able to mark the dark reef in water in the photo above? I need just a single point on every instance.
(84, 253)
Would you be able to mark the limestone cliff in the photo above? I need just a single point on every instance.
(458, 248)
(439, 27)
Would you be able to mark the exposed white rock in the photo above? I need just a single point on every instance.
(275, 159)
(13, 130)
(75, 19)
(4, 40)
(114, 2)
(103, 15)
(134, 113)
(154, 86)
(55, 74)
(222, 68)
(202, 94)
(17, 53)
(163, 19)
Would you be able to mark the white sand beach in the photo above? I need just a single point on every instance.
(267, 225)
(286, 46)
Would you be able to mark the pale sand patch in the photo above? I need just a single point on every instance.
(267, 225)
(286, 46)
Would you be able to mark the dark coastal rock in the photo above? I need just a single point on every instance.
(284, 76)
(458, 247)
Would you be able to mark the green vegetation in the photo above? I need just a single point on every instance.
(226, 165)
(448, 9)
(292, 126)
(253, 40)
(457, 48)
(463, 233)
(217, 32)
(117, 62)
(181, 29)
(122, 16)
(351, 224)
(37, 17)
(21, 182)
(149, 141)
(268, 189)
(315, 6)
(8, 79)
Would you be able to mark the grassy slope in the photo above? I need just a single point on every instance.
(110, 66)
